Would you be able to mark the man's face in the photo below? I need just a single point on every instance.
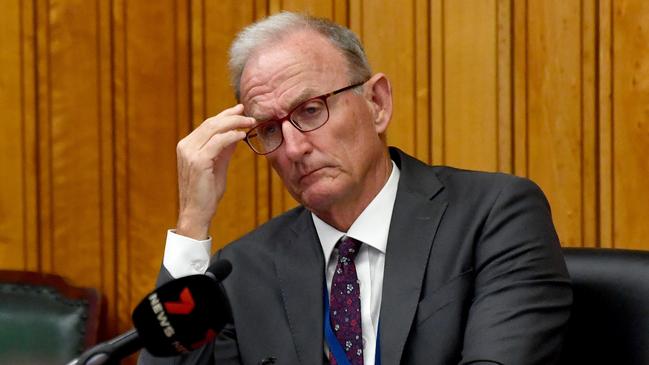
(336, 164)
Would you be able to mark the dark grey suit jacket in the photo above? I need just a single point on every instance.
(473, 274)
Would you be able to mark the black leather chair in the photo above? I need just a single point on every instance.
(43, 319)
(610, 317)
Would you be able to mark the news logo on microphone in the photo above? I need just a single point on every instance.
(181, 315)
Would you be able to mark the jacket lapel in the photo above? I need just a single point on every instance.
(300, 269)
(415, 218)
(300, 266)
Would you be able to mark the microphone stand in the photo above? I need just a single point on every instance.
(111, 351)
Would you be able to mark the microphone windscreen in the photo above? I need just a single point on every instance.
(181, 315)
(219, 270)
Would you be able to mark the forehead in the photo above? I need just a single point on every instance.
(280, 75)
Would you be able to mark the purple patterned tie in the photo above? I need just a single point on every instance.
(345, 302)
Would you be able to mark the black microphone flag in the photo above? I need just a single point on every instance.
(178, 317)
(181, 315)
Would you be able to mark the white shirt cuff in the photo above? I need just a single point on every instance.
(185, 256)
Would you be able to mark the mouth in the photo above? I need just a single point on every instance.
(310, 174)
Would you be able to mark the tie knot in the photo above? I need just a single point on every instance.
(348, 247)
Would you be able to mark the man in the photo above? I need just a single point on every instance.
(387, 260)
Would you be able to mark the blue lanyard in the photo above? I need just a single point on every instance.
(334, 346)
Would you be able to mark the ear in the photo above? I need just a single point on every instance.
(378, 93)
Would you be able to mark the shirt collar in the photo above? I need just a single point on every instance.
(372, 225)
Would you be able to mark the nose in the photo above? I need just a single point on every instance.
(296, 143)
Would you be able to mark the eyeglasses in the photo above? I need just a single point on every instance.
(306, 117)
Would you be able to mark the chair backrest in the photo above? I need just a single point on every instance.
(610, 316)
(43, 319)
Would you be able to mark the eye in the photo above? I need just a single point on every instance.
(268, 130)
(310, 109)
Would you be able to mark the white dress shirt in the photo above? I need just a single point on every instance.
(185, 256)
(371, 228)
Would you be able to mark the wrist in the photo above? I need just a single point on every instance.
(192, 228)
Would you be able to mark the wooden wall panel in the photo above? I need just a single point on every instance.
(422, 88)
(519, 86)
(323, 9)
(11, 158)
(390, 47)
(153, 114)
(589, 109)
(73, 133)
(437, 81)
(106, 147)
(120, 303)
(554, 123)
(470, 81)
(504, 85)
(43, 140)
(95, 95)
(14, 248)
(630, 123)
(605, 123)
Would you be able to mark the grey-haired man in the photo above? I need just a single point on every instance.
(452, 266)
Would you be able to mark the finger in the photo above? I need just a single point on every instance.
(224, 123)
(219, 142)
(215, 125)
(233, 110)
(221, 163)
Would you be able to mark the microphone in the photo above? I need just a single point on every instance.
(219, 270)
(178, 317)
(184, 314)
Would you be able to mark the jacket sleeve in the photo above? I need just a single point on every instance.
(522, 294)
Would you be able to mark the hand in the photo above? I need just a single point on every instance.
(203, 157)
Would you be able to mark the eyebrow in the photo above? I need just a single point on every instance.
(303, 96)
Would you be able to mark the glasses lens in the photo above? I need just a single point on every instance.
(265, 137)
(310, 115)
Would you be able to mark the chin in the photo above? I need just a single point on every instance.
(317, 200)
